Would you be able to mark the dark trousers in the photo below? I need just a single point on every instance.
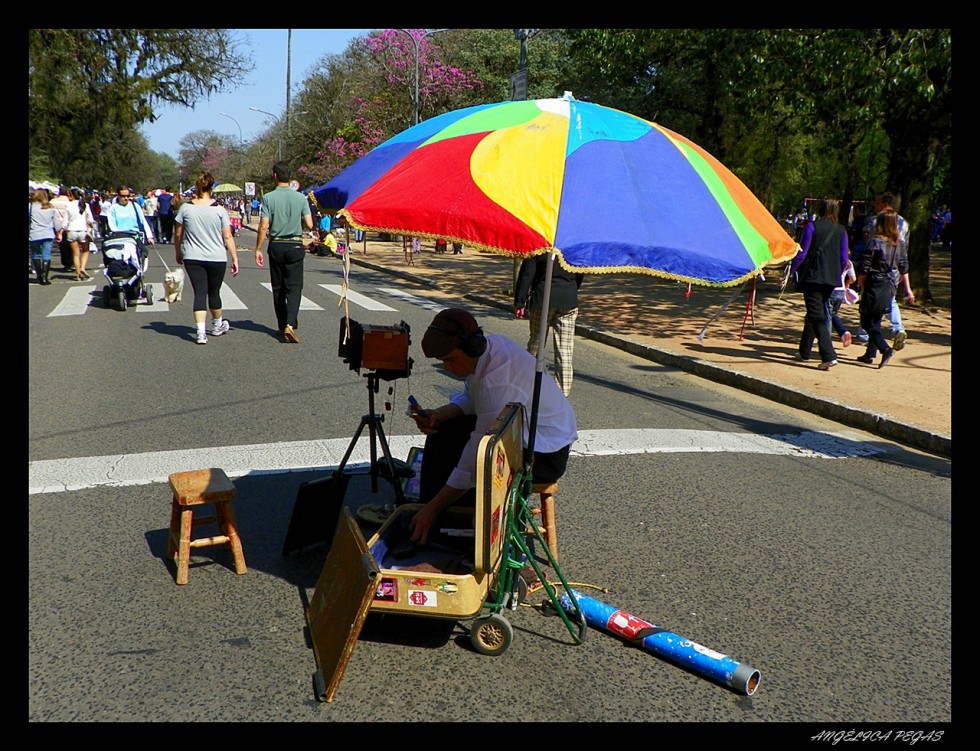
(816, 297)
(166, 227)
(871, 323)
(286, 273)
(443, 449)
(67, 259)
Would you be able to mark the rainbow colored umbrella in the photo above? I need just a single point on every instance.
(603, 190)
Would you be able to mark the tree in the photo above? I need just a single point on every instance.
(823, 112)
(207, 151)
(917, 93)
(91, 87)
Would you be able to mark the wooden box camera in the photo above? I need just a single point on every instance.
(382, 348)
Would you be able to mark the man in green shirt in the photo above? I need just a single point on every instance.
(285, 212)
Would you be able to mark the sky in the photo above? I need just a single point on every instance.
(265, 90)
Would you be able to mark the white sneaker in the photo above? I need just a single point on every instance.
(224, 328)
(202, 337)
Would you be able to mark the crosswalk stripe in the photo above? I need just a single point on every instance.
(408, 297)
(229, 300)
(76, 301)
(78, 298)
(304, 302)
(120, 470)
(160, 305)
(357, 298)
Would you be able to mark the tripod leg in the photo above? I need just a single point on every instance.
(352, 444)
(399, 493)
(374, 427)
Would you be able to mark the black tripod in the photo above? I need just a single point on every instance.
(318, 502)
(393, 470)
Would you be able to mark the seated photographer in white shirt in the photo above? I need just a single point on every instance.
(496, 372)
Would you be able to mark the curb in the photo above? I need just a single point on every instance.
(880, 425)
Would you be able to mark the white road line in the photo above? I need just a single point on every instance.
(304, 302)
(59, 475)
(229, 300)
(435, 307)
(160, 305)
(76, 301)
(357, 298)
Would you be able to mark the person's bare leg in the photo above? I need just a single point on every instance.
(84, 254)
(75, 257)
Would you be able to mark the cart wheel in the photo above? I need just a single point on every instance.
(491, 635)
(149, 294)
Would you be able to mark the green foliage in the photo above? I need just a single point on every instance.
(89, 89)
(794, 113)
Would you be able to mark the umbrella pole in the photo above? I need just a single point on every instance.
(539, 365)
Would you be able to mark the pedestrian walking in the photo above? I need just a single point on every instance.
(202, 235)
(886, 258)
(285, 214)
(562, 312)
(45, 227)
(818, 268)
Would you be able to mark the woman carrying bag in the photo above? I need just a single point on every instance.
(883, 267)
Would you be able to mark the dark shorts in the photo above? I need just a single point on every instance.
(443, 449)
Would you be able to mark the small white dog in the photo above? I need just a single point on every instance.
(173, 285)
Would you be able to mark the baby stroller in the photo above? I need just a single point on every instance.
(125, 262)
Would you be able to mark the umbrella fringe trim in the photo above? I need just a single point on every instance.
(542, 251)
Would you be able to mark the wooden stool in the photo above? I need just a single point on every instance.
(547, 491)
(196, 488)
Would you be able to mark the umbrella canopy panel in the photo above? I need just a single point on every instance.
(227, 188)
(605, 190)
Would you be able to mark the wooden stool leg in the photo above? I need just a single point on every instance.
(550, 529)
(226, 521)
(184, 544)
(174, 534)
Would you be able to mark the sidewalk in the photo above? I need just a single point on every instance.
(909, 401)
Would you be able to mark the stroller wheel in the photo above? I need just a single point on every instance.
(491, 635)
(149, 294)
(121, 298)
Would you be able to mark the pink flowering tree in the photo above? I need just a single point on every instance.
(394, 53)
(383, 107)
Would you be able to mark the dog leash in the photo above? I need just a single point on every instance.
(161, 260)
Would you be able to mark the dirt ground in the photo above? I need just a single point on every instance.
(755, 332)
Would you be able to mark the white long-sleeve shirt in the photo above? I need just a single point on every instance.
(505, 373)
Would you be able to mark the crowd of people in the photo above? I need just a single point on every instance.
(871, 257)
(836, 261)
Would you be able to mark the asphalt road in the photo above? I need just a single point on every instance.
(818, 555)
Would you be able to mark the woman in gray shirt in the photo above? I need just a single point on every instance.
(202, 233)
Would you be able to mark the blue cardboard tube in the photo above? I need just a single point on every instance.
(677, 649)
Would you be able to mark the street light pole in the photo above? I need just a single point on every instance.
(278, 135)
(241, 147)
(417, 44)
(278, 120)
